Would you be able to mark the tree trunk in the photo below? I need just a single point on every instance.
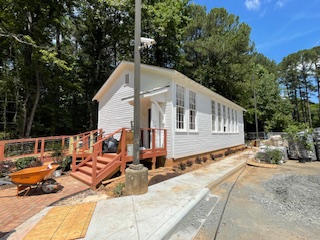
(35, 105)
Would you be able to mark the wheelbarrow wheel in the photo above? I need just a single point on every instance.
(49, 185)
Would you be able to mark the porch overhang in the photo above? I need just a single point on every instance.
(148, 94)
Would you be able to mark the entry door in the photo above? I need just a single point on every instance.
(156, 121)
(149, 126)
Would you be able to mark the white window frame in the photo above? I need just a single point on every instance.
(228, 120)
(213, 116)
(219, 118)
(224, 119)
(232, 120)
(236, 121)
(192, 111)
(180, 122)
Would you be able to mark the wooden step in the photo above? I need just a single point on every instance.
(99, 165)
(104, 160)
(82, 177)
(109, 155)
(86, 170)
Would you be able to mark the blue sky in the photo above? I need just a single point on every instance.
(279, 27)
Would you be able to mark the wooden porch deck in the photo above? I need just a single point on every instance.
(90, 163)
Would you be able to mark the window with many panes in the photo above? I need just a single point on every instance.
(224, 118)
(213, 115)
(180, 106)
(219, 117)
(232, 120)
(192, 110)
(229, 121)
(236, 121)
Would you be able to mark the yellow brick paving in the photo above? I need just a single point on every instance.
(64, 222)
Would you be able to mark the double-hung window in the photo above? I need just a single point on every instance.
(180, 107)
(224, 118)
(192, 110)
(229, 120)
(213, 115)
(219, 117)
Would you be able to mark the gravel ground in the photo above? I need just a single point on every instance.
(282, 203)
(294, 196)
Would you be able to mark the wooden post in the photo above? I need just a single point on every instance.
(74, 155)
(91, 142)
(42, 149)
(123, 150)
(62, 142)
(36, 146)
(153, 150)
(71, 145)
(77, 148)
(2, 144)
(94, 166)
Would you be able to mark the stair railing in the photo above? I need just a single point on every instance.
(97, 151)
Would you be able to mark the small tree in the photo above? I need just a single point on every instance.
(298, 133)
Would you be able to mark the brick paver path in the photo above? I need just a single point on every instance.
(16, 210)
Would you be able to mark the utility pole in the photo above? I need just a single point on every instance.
(255, 107)
(136, 181)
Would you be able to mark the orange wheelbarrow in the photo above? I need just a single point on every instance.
(35, 176)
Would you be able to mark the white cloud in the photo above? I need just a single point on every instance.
(281, 3)
(252, 4)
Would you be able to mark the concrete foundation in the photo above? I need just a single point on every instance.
(136, 181)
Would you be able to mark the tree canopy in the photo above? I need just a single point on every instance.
(56, 55)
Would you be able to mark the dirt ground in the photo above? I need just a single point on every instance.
(113, 189)
(281, 203)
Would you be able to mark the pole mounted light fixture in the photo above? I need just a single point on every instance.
(139, 43)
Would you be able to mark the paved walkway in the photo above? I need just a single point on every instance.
(156, 214)
(16, 210)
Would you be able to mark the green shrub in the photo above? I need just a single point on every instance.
(65, 164)
(189, 163)
(118, 191)
(198, 160)
(57, 153)
(272, 156)
(182, 166)
(27, 162)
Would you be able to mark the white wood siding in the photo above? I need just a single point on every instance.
(203, 140)
(115, 113)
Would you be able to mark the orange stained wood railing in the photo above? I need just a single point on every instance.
(42, 146)
(156, 138)
(84, 142)
(97, 176)
(16, 148)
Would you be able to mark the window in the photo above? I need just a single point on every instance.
(236, 121)
(229, 121)
(192, 110)
(180, 107)
(213, 115)
(126, 79)
(232, 121)
(219, 117)
(224, 118)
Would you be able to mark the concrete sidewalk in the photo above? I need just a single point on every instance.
(156, 214)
